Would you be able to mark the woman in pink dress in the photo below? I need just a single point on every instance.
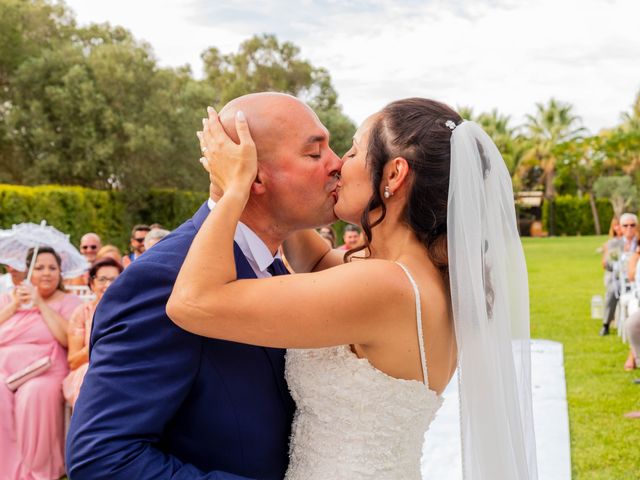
(101, 274)
(33, 325)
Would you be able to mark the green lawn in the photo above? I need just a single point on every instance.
(563, 275)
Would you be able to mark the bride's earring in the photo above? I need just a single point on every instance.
(387, 192)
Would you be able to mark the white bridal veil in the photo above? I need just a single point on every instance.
(489, 292)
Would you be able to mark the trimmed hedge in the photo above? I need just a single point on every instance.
(78, 210)
(573, 215)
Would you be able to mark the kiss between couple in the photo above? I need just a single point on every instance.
(189, 378)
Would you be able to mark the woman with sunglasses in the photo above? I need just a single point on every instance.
(101, 274)
(619, 252)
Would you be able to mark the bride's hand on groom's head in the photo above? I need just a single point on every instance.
(215, 192)
(230, 165)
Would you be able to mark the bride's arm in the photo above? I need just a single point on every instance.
(306, 251)
(353, 303)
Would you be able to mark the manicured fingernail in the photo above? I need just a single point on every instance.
(202, 160)
(199, 135)
(210, 110)
(240, 115)
(204, 122)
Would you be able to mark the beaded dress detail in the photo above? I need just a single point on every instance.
(354, 421)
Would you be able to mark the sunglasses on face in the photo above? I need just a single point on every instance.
(103, 280)
(139, 240)
(89, 247)
(627, 225)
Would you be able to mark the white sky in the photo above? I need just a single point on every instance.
(504, 54)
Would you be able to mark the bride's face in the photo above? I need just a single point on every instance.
(355, 188)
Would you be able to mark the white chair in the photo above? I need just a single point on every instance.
(82, 291)
(627, 292)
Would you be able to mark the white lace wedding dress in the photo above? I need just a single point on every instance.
(354, 421)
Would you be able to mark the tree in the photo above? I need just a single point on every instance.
(552, 124)
(583, 160)
(504, 136)
(264, 64)
(620, 190)
(90, 106)
(631, 120)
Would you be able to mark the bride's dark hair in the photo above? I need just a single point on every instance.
(416, 130)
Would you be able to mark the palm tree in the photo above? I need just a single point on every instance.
(466, 112)
(631, 121)
(552, 125)
(503, 135)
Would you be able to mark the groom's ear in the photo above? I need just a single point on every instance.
(257, 187)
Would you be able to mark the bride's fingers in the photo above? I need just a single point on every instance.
(203, 146)
(205, 163)
(214, 127)
(242, 127)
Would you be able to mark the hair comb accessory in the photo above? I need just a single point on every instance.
(450, 124)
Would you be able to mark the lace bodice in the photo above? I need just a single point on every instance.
(353, 421)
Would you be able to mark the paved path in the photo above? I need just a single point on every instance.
(441, 460)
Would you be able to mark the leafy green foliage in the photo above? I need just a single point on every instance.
(78, 210)
(620, 190)
(91, 107)
(574, 216)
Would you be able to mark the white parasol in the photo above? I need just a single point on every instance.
(16, 242)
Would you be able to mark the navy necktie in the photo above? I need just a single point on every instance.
(277, 268)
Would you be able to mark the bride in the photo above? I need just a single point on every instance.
(374, 341)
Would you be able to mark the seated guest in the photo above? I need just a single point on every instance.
(90, 243)
(154, 236)
(33, 326)
(329, 235)
(617, 254)
(138, 234)
(351, 237)
(101, 275)
(109, 251)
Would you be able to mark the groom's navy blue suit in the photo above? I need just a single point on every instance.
(161, 403)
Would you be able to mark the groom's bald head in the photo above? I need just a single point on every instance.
(297, 170)
(272, 117)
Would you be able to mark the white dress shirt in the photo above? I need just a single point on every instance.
(253, 248)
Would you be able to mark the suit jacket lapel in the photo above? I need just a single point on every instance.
(244, 270)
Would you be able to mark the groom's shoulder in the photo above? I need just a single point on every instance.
(171, 251)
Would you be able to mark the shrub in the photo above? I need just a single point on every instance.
(78, 210)
(573, 215)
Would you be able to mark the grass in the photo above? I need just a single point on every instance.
(563, 275)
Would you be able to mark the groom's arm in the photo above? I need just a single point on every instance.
(141, 371)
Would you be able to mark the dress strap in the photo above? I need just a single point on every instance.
(423, 357)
